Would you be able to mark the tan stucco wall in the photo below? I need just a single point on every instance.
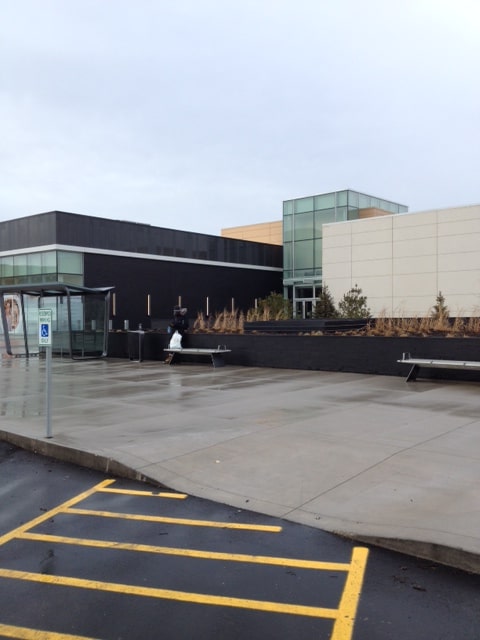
(268, 232)
(402, 261)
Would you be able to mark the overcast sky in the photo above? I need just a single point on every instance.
(204, 114)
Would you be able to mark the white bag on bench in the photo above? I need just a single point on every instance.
(175, 341)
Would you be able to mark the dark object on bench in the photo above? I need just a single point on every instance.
(417, 363)
(215, 354)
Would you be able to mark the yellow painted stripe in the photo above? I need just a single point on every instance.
(347, 610)
(53, 512)
(23, 633)
(155, 494)
(190, 553)
(165, 519)
(169, 594)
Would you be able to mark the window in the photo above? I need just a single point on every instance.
(70, 262)
(304, 204)
(303, 256)
(304, 226)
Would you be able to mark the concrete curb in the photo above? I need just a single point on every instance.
(433, 552)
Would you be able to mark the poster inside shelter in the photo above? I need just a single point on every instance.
(12, 312)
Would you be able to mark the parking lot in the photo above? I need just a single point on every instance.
(142, 533)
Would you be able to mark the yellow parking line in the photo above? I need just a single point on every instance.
(165, 519)
(23, 633)
(190, 553)
(169, 594)
(53, 512)
(343, 627)
(155, 494)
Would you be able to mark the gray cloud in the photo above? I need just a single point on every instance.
(201, 115)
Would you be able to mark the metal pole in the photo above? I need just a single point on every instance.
(49, 391)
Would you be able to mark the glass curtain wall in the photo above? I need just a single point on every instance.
(42, 266)
(303, 220)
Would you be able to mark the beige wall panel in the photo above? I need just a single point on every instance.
(371, 224)
(407, 234)
(374, 237)
(338, 270)
(462, 305)
(459, 262)
(412, 306)
(367, 268)
(456, 213)
(460, 282)
(338, 287)
(458, 227)
(369, 228)
(415, 264)
(415, 247)
(336, 254)
(380, 307)
(336, 234)
(337, 228)
(344, 240)
(377, 251)
(459, 244)
(419, 284)
(406, 221)
(375, 287)
(433, 251)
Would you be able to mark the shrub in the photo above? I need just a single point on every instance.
(324, 305)
(273, 307)
(354, 304)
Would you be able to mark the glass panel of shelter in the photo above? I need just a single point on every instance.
(79, 323)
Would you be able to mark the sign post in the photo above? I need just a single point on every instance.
(45, 340)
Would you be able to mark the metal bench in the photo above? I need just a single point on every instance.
(417, 363)
(216, 355)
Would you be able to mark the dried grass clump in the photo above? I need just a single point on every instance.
(383, 326)
(424, 326)
(264, 314)
(223, 322)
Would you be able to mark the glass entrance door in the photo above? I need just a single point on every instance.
(303, 301)
(304, 308)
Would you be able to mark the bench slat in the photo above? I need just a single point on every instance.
(199, 351)
(416, 363)
(216, 355)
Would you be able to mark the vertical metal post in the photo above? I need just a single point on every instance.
(49, 391)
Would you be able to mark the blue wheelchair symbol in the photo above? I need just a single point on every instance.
(44, 330)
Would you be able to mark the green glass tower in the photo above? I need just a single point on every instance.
(303, 219)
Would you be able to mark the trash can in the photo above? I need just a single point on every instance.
(135, 345)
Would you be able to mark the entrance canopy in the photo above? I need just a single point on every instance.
(80, 318)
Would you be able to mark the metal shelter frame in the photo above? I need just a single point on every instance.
(53, 290)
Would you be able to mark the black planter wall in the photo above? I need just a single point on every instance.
(354, 354)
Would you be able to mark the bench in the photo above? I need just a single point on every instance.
(417, 363)
(216, 355)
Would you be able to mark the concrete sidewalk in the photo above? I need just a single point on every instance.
(366, 456)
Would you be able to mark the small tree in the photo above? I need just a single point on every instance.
(324, 305)
(354, 304)
(440, 310)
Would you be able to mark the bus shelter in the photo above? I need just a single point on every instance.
(80, 319)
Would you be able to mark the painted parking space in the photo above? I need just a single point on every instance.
(254, 589)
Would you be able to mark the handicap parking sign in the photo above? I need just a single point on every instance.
(45, 327)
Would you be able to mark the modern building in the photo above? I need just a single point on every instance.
(303, 222)
(150, 268)
(402, 263)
